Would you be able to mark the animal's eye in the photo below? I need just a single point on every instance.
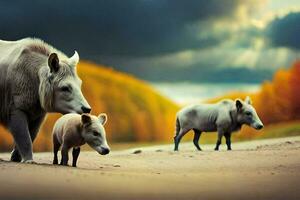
(65, 89)
(95, 133)
(248, 113)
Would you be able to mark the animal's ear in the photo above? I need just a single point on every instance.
(86, 119)
(53, 62)
(102, 118)
(73, 61)
(238, 104)
(248, 100)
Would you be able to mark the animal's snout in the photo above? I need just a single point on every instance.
(105, 151)
(260, 126)
(86, 109)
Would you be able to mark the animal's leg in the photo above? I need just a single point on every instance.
(33, 130)
(64, 155)
(34, 126)
(75, 153)
(15, 155)
(177, 139)
(177, 128)
(228, 141)
(197, 135)
(219, 141)
(18, 125)
(56, 146)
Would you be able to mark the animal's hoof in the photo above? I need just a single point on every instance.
(15, 157)
(29, 162)
(55, 162)
(64, 164)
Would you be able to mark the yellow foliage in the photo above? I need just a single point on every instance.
(135, 111)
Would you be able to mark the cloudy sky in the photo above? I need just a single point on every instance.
(166, 40)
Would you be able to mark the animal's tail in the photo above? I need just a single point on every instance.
(177, 127)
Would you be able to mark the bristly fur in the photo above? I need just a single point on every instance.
(39, 46)
(33, 73)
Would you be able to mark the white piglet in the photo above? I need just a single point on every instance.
(74, 130)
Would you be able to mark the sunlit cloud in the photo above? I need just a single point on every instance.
(172, 35)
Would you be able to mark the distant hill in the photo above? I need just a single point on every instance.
(135, 111)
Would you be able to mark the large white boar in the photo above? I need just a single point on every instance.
(35, 78)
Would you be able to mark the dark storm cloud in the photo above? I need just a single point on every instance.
(199, 72)
(114, 27)
(285, 31)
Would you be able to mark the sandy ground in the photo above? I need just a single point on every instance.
(266, 169)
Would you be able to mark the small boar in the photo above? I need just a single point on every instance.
(74, 130)
(224, 117)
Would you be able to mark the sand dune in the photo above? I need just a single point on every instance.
(266, 169)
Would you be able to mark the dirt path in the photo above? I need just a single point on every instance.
(267, 169)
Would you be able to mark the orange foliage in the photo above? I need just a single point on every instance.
(135, 111)
(294, 82)
(277, 101)
(138, 113)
